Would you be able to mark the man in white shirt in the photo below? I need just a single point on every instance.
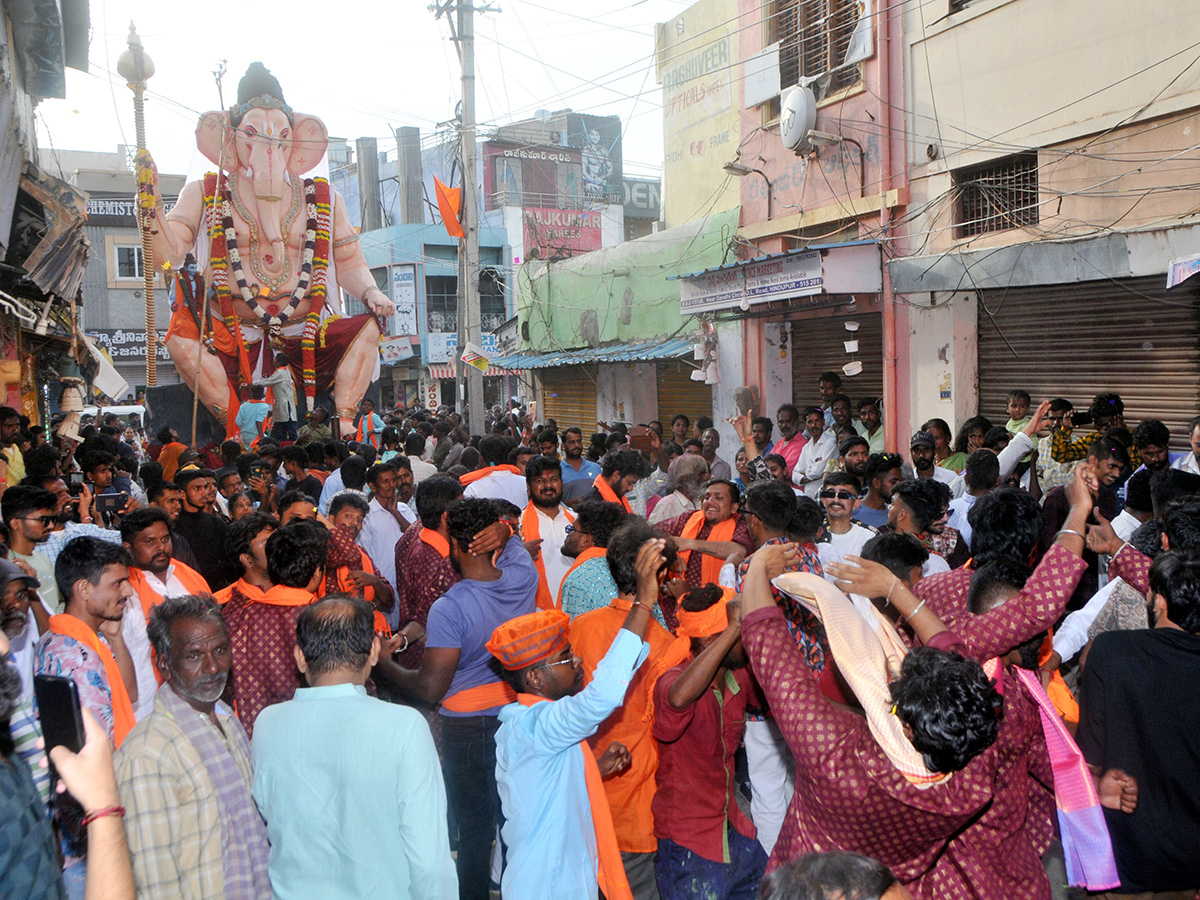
(154, 576)
(981, 476)
(687, 475)
(284, 393)
(1188, 462)
(815, 456)
(383, 526)
(545, 519)
(414, 447)
(839, 496)
(501, 481)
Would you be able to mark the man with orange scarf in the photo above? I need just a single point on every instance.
(155, 575)
(85, 644)
(630, 792)
(548, 522)
(708, 537)
(620, 471)
(707, 847)
(548, 777)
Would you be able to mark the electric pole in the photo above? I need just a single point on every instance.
(469, 324)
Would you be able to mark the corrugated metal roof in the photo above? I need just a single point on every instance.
(744, 262)
(643, 350)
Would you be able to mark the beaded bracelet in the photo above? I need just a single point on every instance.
(102, 813)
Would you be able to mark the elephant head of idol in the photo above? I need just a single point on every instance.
(265, 141)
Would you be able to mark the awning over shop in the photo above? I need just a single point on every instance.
(853, 267)
(612, 353)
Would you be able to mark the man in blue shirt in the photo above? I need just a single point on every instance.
(558, 826)
(252, 414)
(350, 786)
(574, 466)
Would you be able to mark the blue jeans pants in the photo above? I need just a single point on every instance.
(469, 764)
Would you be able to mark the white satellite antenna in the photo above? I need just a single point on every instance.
(797, 116)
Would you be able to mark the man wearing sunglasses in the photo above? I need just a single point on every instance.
(29, 519)
(839, 496)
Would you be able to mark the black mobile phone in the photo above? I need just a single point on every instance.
(110, 504)
(59, 711)
(75, 483)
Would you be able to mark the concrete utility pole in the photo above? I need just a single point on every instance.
(469, 327)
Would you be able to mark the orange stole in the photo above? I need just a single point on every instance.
(342, 585)
(244, 587)
(192, 580)
(279, 595)
(589, 553)
(472, 477)
(531, 532)
(436, 541)
(613, 883)
(710, 567)
(122, 708)
(480, 697)
(609, 494)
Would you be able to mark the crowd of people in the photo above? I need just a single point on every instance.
(420, 662)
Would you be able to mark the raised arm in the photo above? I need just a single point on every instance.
(1044, 597)
(809, 723)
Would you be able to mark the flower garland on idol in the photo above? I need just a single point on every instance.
(225, 257)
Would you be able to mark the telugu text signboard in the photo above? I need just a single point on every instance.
(778, 278)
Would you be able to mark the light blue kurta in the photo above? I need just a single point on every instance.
(539, 770)
(352, 793)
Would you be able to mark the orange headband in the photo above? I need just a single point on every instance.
(707, 622)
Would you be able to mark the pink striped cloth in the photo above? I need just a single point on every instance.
(1086, 843)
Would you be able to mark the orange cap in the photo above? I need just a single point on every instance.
(529, 639)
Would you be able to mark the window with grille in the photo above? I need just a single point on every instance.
(813, 37)
(441, 303)
(129, 262)
(956, 5)
(997, 196)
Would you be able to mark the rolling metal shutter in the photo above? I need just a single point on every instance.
(1131, 336)
(569, 394)
(677, 393)
(817, 346)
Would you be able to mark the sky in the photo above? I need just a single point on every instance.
(391, 63)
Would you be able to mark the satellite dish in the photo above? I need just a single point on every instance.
(797, 117)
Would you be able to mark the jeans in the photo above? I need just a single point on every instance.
(284, 431)
(685, 875)
(469, 764)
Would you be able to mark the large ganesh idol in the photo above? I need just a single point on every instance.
(274, 248)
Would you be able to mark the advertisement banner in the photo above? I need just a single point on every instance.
(788, 276)
(404, 295)
(558, 233)
(395, 349)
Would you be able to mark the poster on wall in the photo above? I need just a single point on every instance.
(442, 346)
(404, 295)
(599, 141)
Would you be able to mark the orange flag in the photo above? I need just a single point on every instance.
(448, 205)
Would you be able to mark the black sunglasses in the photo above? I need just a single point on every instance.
(841, 495)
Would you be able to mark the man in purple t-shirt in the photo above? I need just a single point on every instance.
(499, 582)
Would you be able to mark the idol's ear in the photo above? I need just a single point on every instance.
(309, 140)
(214, 138)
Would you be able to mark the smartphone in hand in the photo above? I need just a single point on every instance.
(59, 711)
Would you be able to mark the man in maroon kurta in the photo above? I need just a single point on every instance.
(262, 630)
(423, 569)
